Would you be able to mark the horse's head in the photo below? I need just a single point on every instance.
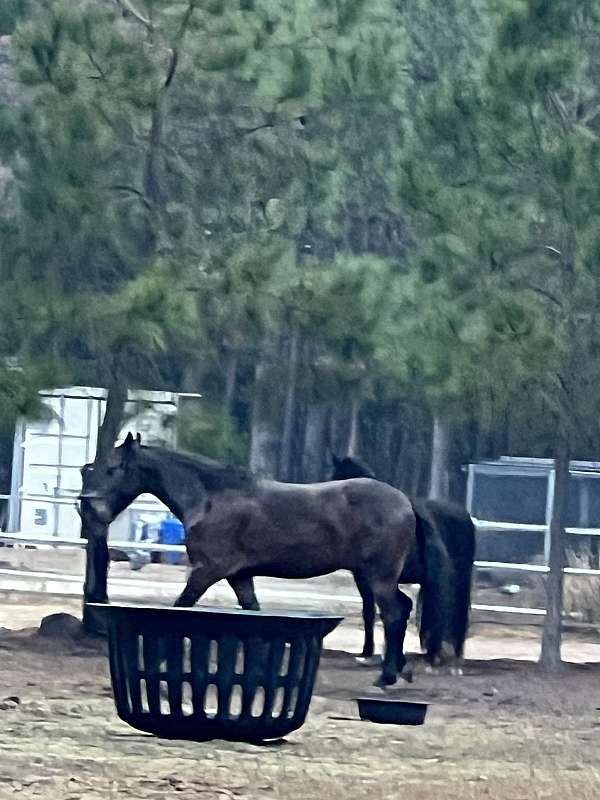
(110, 487)
(349, 467)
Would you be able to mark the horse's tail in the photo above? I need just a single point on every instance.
(463, 571)
(436, 618)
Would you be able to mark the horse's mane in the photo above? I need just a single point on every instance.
(355, 468)
(213, 474)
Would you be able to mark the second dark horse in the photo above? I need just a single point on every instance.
(441, 563)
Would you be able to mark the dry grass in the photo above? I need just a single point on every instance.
(582, 592)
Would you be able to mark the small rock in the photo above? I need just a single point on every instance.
(511, 588)
(7, 705)
(38, 708)
(490, 692)
(61, 626)
(13, 699)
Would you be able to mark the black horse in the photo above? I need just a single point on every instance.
(238, 526)
(442, 558)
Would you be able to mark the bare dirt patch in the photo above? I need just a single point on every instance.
(502, 730)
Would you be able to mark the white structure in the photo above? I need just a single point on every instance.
(515, 495)
(48, 455)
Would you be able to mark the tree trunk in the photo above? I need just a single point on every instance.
(550, 657)
(262, 433)
(96, 532)
(440, 456)
(413, 483)
(111, 422)
(190, 379)
(315, 436)
(332, 430)
(353, 444)
(152, 181)
(285, 459)
(230, 381)
(398, 466)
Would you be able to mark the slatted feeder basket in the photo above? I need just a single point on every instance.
(207, 673)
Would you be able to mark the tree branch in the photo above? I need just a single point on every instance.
(172, 69)
(131, 190)
(129, 8)
(185, 22)
(544, 293)
(247, 131)
(534, 128)
(96, 66)
(560, 110)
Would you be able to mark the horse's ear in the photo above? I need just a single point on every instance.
(138, 438)
(128, 440)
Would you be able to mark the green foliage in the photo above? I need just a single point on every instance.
(506, 202)
(210, 432)
(90, 252)
(19, 396)
(10, 13)
(412, 191)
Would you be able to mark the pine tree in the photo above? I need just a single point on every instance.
(508, 200)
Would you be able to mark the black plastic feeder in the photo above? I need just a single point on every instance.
(207, 673)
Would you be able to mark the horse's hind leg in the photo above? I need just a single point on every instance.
(407, 606)
(368, 612)
(244, 591)
(395, 610)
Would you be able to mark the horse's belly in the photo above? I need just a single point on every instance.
(301, 549)
(302, 560)
(296, 570)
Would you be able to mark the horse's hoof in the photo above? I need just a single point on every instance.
(407, 673)
(429, 669)
(384, 681)
(369, 661)
(456, 671)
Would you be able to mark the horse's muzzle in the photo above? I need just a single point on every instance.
(98, 505)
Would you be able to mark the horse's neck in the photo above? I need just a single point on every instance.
(179, 491)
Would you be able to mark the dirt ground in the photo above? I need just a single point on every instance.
(502, 730)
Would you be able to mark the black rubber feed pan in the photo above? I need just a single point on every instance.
(212, 673)
(391, 712)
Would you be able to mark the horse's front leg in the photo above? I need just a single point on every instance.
(244, 591)
(368, 612)
(200, 579)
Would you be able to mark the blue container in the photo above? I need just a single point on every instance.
(171, 532)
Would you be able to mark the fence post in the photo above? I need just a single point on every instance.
(549, 506)
(470, 487)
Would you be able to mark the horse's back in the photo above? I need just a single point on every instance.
(355, 520)
(353, 492)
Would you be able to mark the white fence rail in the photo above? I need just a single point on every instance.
(65, 584)
(75, 544)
